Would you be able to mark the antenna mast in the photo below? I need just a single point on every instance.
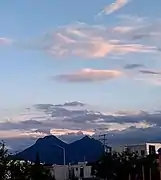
(103, 139)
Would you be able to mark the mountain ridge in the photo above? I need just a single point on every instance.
(50, 149)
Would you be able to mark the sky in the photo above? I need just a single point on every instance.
(102, 53)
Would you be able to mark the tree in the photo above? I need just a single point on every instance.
(12, 169)
(38, 172)
(126, 166)
(3, 160)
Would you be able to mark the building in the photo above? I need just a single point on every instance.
(144, 148)
(140, 149)
(62, 172)
(80, 170)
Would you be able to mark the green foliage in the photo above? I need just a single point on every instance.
(125, 166)
(19, 169)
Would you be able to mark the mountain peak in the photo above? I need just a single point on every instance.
(86, 137)
(50, 139)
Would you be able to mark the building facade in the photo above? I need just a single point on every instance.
(144, 149)
(140, 149)
(64, 172)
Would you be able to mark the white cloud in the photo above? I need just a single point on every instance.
(17, 133)
(58, 132)
(121, 127)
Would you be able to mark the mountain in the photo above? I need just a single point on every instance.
(86, 148)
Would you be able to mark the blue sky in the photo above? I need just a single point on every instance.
(104, 53)
(26, 73)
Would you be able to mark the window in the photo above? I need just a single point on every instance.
(142, 152)
(76, 169)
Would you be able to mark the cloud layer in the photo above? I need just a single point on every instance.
(72, 120)
(130, 35)
(89, 75)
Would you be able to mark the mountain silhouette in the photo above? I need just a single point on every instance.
(49, 150)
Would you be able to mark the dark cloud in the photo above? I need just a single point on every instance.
(150, 72)
(43, 106)
(71, 104)
(142, 116)
(133, 66)
(26, 125)
(60, 117)
(31, 122)
(62, 112)
(147, 31)
(140, 36)
(51, 106)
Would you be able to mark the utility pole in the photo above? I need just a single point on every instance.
(104, 140)
(143, 172)
(129, 177)
(150, 178)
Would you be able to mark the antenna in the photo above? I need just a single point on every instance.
(103, 139)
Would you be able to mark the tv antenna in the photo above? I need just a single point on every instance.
(103, 139)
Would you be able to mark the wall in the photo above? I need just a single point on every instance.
(87, 171)
(60, 172)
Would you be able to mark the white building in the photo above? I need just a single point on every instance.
(140, 149)
(80, 170)
(60, 172)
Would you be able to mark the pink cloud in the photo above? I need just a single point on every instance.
(4, 41)
(89, 75)
(16, 133)
(95, 41)
(123, 29)
(91, 41)
(118, 4)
